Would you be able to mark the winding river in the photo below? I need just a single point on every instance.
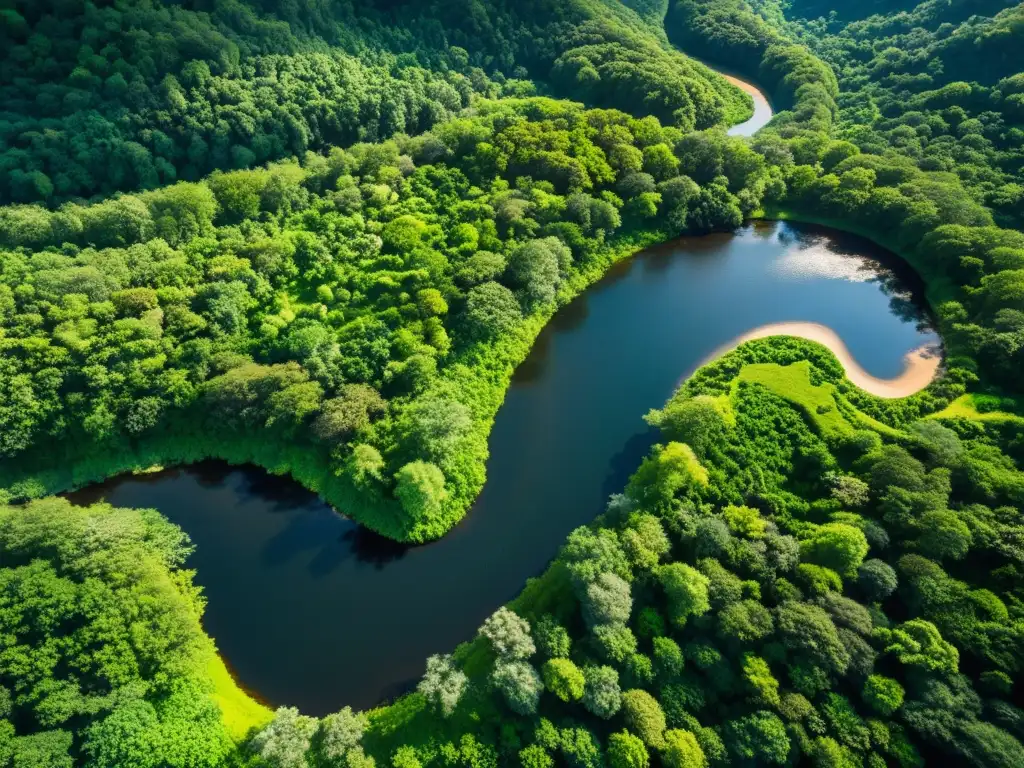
(311, 610)
(762, 107)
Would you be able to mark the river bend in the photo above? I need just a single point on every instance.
(311, 610)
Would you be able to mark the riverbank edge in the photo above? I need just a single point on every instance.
(183, 444)
(312, 469)
(310, 465)
(489, 379)
(552, 588)
(740, 80)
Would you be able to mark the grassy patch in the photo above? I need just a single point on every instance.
(793, 383)
(967, 407)
(862, 420)
(240, 712)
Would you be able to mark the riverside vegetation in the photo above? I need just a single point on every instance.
(800, 573)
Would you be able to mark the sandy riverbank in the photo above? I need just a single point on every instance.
(762, 109)
(921, 365)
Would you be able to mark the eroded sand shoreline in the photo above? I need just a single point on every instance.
(921, 365)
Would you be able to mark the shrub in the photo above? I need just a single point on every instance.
(564, 679)
(626, 751)
(644, 717)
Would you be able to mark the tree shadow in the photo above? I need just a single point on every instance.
(624, 463)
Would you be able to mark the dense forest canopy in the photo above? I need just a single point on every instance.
(108, 96)
(941, 84)
(104, 661)
(319, 236)
(356, 309)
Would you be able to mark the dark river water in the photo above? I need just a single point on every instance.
(311, 610)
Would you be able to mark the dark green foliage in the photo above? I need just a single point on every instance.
(552, 639)
(133, 95)
(139, 94)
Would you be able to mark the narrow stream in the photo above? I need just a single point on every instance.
(763, 112)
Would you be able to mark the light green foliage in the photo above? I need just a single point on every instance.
(491, 310)
(588, 553)
(627, 751)
(128, 737)
(666, 471)
(829, 753)
(615, 641)
(602, 695)
(419, 485)
(360, 311)
(883, 694)
(919, 643)
(520, 685)
(580, 748)
(818, 580)
(850, 491)
(87, 575)
(356, 282)
(284, 742)
(744, 521)
(837, 546)
(686, 591)
(534, 269)
(508, 634)
(644, 541)
(643, 716)
(606, 600)
(760, 681)
(535, 756)
(681, 750)
(793, 383)
(405, 757)
(443, 684)
(45, 750)
(365, 465)
(746, 621)
(944, 535)
(564, 679)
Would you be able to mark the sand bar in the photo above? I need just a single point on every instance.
(921, 365)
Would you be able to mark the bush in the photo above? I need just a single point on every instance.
(601, 693)
(644, 717)
(883, 694)
(564, 679)
(626, 751)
